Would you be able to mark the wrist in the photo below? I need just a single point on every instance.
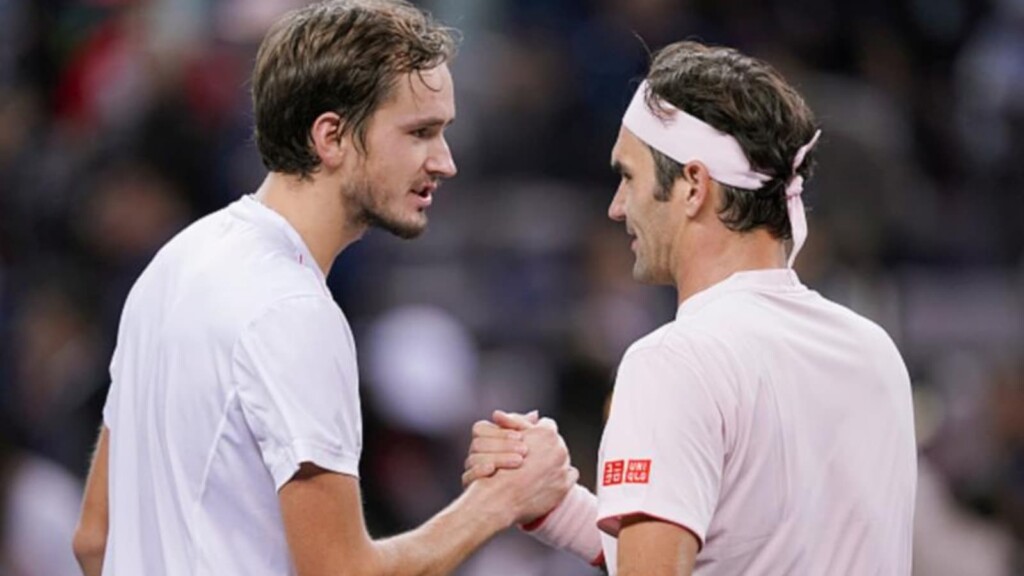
(572, 525)
(536, 522)
(492, 504)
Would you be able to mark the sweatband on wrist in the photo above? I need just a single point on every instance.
(572, 526)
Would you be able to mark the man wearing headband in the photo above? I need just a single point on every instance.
(765, 430)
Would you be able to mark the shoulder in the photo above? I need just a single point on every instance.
(306, 313)
(690, 344)
(868, 333)
(678, 356)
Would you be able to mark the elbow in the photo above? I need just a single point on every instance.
(89, 544)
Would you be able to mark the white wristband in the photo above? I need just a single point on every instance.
(572, 526)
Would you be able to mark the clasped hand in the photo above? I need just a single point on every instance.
(527, 456)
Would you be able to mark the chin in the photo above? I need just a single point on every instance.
(641, 274)
(408, 232)
(646, 275)
(406, 228)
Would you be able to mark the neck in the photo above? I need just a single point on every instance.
(314, 207)
(722, 255)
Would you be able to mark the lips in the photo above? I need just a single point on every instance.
(425, 194)
(425, 189)
(632, 236)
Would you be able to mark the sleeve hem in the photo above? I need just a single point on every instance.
(290, 457)
(609, 520)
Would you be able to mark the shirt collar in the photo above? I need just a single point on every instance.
(776, 280)
(251, 209)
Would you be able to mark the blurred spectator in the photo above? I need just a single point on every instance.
(39, 503)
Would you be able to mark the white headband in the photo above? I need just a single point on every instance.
(685, 138)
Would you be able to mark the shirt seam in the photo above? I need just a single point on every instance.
(661, 346)
(271, 307)
(197, 505)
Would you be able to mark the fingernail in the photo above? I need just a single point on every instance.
(533, 413)
(522, 449)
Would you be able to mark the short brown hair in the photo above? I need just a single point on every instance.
(342, 56)
(749, 100)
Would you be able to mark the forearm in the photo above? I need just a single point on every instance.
(572, 526)
(446, 540)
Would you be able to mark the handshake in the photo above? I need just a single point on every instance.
(524, 465)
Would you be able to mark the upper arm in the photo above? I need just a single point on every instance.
(297, 382)
(653, 547)
(95, 506)
(663, 449)
(323, 522)
(91, 535)
(295, 373)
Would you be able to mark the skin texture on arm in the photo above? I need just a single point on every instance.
(323, 517)
(651, 547)
(91, 535)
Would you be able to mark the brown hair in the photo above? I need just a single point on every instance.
(747, 99)
(342, 56)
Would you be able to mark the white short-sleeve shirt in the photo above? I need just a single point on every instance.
(233, 366)
(774, 425)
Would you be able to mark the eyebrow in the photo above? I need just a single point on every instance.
(430, 122)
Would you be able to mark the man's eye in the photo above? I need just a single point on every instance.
(422, 133)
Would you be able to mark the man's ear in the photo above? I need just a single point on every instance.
(695, 187)
(330, 142)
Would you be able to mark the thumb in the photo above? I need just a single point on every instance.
(514, 421)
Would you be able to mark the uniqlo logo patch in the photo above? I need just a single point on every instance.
(613, 472)
(638, 472)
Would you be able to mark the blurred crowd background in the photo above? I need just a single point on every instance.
(123, 120)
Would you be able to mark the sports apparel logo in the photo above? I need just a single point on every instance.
(629, 472)
(638, 472)
(613, 472)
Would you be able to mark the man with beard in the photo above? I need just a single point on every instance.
(232, 429)
(765, 430)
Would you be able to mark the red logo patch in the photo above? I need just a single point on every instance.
(638, 472)
(613, 472)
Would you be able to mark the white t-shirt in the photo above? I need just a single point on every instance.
(233, 366)
(774, 425)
